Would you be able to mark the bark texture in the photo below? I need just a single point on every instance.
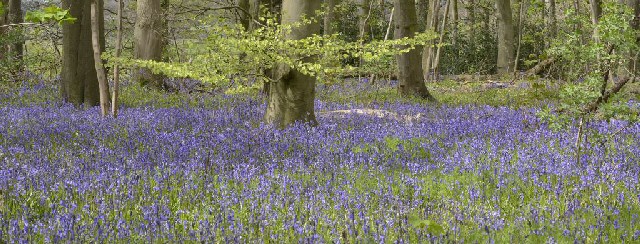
(409, 68)
(245, 20)
(506, 37)
(292, 94)
(3, 21)
(15, 16)
(150, 30)
(79, 83)
(116, 69)
(103, 85)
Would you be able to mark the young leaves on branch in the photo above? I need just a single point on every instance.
(50, 14)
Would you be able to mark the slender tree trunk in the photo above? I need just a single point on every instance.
(427, 54)
(330, 17)
(3, 21)
(116, 69)
(521, 18)
(454, 20)
(506, 36)
(436, 63)
(364, 14)
(99, 66)
(409, 71)
(79, 83)
(149, 32)
(292, 94)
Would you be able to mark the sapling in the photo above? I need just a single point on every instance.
(602, 70)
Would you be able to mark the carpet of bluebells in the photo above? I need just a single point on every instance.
(215, 173)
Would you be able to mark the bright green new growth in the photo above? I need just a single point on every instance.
(50, 14)
(231, 54)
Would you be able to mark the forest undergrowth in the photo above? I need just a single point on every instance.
(203, 167)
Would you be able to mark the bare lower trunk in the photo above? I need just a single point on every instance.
(436, 63)
(292, 94)
(149, 32)
(506, 37)
(409, 72)
(97, 50)
(79, 81)
(116, 69)
(432, 24)
(16, 17)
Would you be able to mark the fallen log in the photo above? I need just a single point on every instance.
(541, 66)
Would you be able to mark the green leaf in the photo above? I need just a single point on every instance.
(431, 226)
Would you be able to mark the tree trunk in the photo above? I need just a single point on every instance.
(103, 84)
(15, 49)
(472, 17)
(292, 94)
(409, 70)
(79, 83)
(3, 21)
(330, 17)
(149, 33)
(364, 14)
(506, 36)
(245, 20)
(596, 12)
(436, 62)
(432, 24)
(454, 20)
(422, 10)
(116, 69)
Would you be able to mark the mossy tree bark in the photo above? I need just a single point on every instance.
(149, 32)
(409, 64)
(506, 37)
(292, 93)
(79, 83)
(3, 21)
(16, 17)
